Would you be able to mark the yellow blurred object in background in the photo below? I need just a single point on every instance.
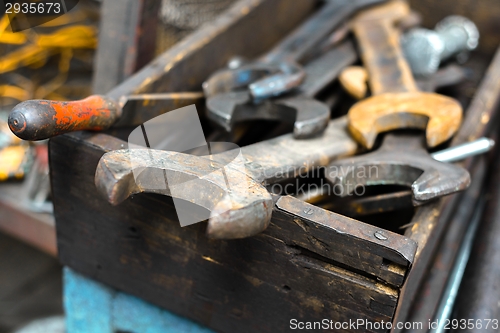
(12, 160)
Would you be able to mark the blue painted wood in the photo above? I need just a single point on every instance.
(87, 304)
(92, 307)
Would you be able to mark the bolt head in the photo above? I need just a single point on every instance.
(422, 49)
(461, 25)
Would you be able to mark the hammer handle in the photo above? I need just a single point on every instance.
(42, 119)
(381, 53)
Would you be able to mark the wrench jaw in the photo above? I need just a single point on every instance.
(114, 181)
(401, 160)
(239, 206)
(433, 183)
(390, 111)
(224, 108)
(363, 172)
(309, 116)
(231, 220)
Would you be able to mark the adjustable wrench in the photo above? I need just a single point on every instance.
(281, 63)
(396, 103)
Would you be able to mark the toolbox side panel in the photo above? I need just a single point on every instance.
(254, 284)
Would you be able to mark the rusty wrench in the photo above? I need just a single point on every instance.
(353, 79)
(396, 103)
(395, 200)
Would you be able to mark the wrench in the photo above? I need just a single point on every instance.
(309, 115)
(280, 63)
(239, 203)
(396, 200)
(396, 104)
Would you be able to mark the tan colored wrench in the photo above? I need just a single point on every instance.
(396, 102)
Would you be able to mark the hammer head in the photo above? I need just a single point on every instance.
(439, 115)
(239, 206)
(308, 115)
(401, 160)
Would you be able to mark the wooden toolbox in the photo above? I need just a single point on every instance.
(309, 265)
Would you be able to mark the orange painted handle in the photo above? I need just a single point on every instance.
(41, 119)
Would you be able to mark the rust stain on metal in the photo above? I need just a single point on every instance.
(440, 115)
(42, 119)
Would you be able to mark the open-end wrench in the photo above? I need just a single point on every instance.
(395, 200)
(308, 115)
(282, 62)
(42, 119)
(234, 193)
(396, 104)
(253, 77)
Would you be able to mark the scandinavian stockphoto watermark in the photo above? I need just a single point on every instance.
(193, 195)
(363, 325)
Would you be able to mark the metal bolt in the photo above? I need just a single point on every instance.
(461, 152)
(424, 49)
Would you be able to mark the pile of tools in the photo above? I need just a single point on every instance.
(346, 102)
(278, 87)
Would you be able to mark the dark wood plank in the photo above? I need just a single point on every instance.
(127, 40)
(344, 240)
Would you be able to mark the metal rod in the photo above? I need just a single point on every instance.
(461, 152)
(445, 307)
